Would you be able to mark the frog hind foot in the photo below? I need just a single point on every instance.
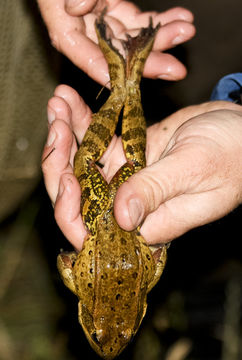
(138, 49)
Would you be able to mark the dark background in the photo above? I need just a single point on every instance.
(195, 310)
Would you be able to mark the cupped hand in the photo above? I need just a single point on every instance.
(71, 28)
(193, 174)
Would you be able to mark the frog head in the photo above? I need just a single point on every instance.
(108, 337)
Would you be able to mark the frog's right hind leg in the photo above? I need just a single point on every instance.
(133, 125)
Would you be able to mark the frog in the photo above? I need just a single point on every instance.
(116, 269)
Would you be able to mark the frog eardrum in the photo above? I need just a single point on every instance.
(115, 270)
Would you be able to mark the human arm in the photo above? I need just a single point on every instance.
(71, 29)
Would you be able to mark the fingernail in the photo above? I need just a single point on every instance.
(50, 115)
(136, 211)
(51, 137)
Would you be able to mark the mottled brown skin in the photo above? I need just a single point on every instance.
(116, 269)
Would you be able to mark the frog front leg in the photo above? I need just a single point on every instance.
(65, 263)
(160, 257)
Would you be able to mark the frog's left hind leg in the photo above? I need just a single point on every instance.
(133, 124)
(102, 128)
(99, 134)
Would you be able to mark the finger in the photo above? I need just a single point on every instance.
(164, 66)
(56, 156)
(67, 210)
(57, 20)
(58, 108)
(168, 16)
(91, 61)
(81, 114)
(132, 17)
(172, 34)
(67, 34)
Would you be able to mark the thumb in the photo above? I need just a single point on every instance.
(143, 192)
(178, 173)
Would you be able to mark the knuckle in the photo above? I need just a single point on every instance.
(152, 191)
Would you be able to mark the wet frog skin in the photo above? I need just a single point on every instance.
(116, 269)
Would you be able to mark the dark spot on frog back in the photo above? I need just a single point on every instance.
(123, 241)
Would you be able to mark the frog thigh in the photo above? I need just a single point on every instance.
(160, 256)
(65, 262)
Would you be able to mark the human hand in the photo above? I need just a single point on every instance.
(193, 174)
(71, 28)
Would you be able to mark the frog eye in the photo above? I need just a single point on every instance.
(102, 336)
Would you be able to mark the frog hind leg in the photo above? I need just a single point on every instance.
(99, 134)
(104, 122)
(133, 124)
